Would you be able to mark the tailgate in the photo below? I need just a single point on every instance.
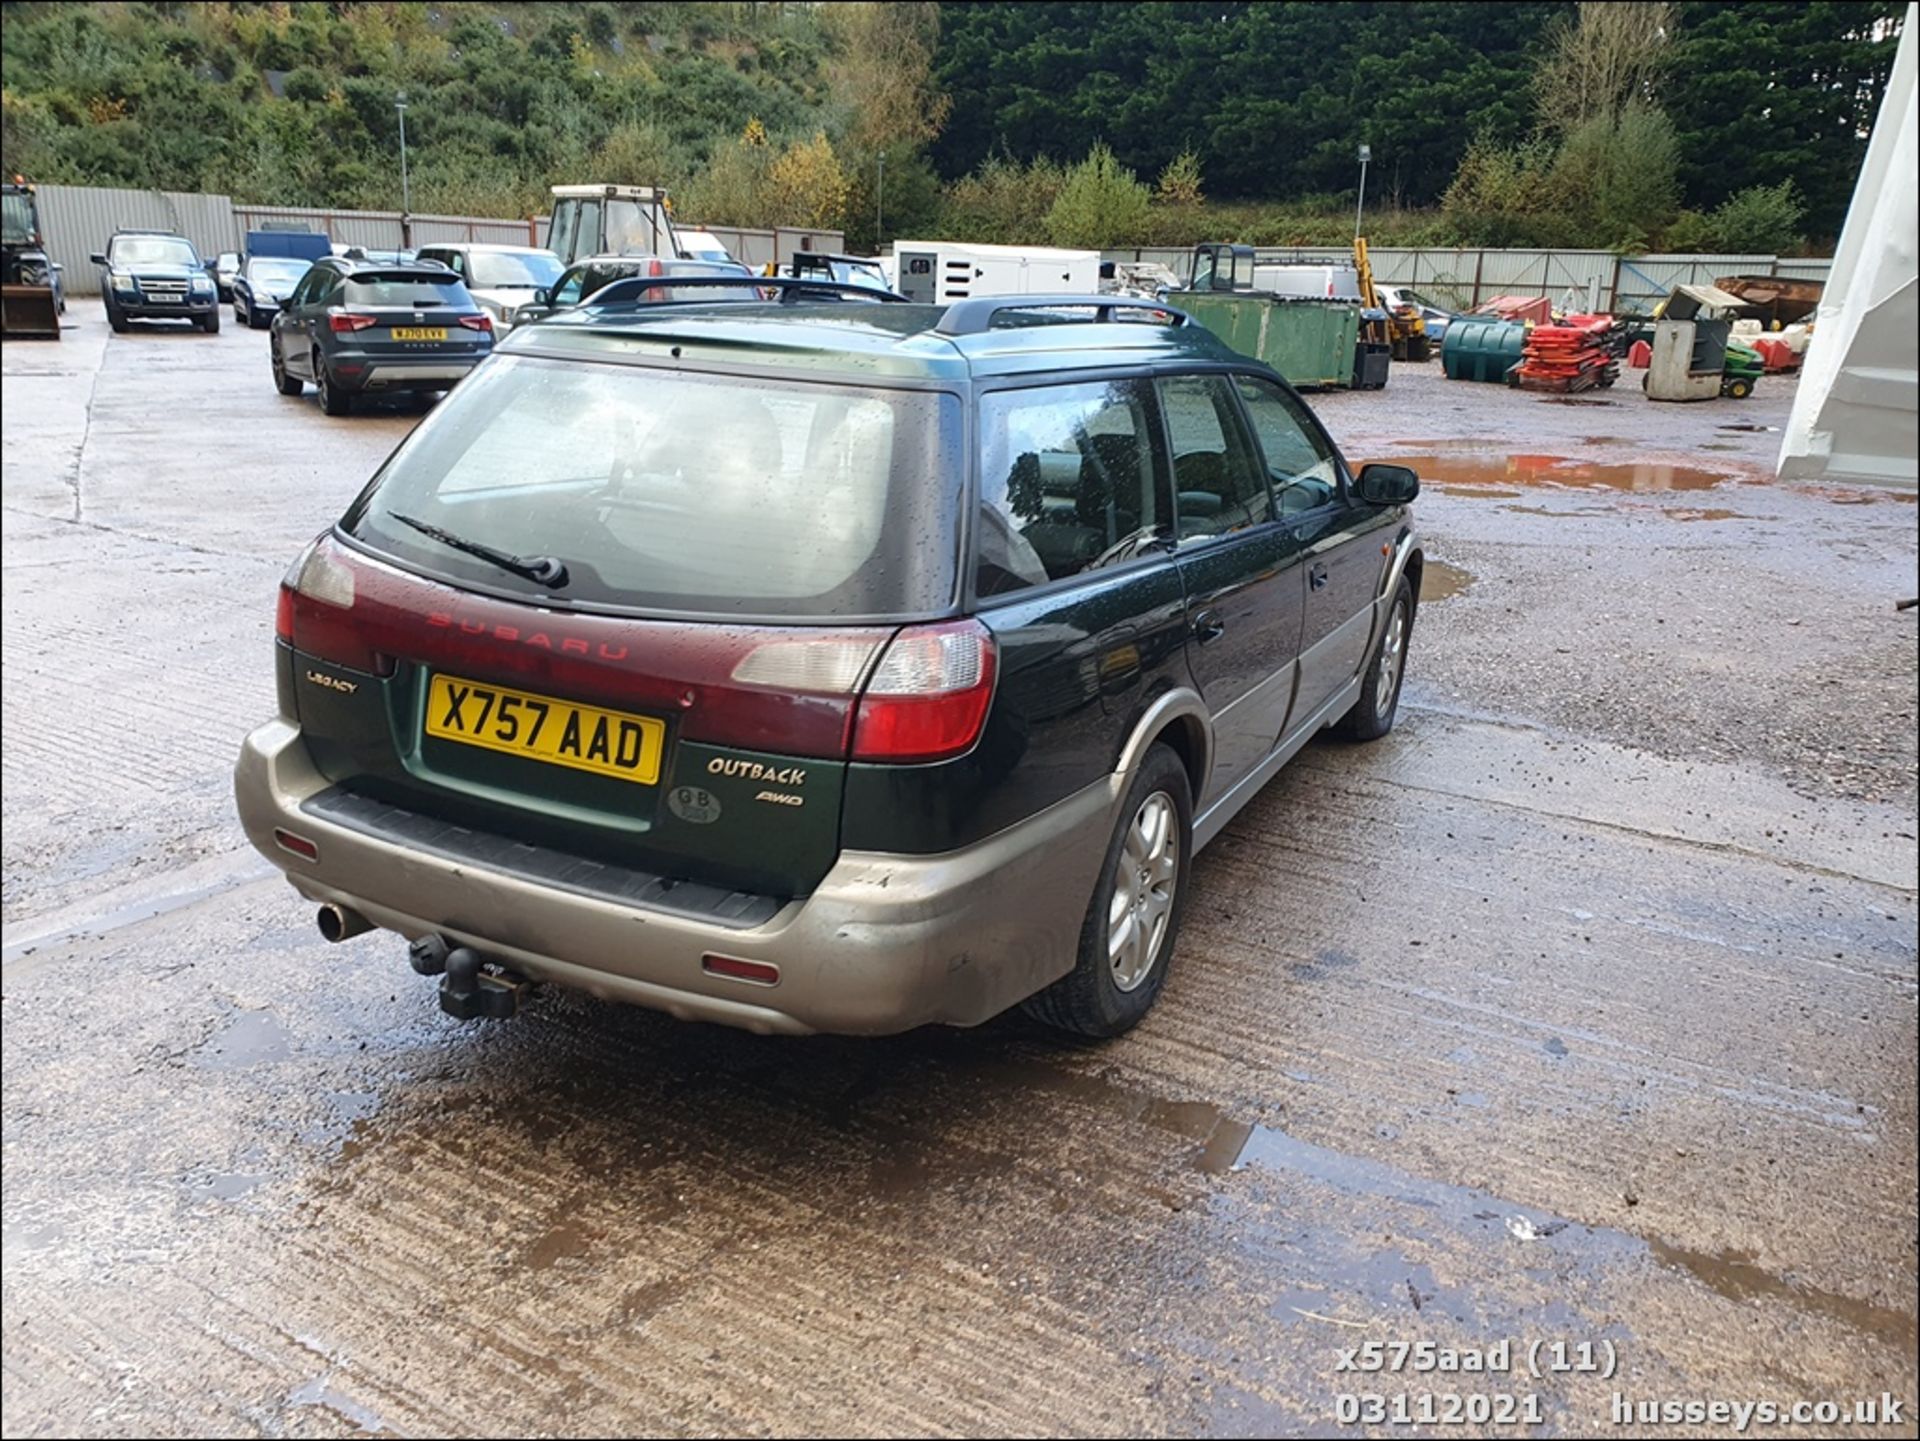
(611, 739)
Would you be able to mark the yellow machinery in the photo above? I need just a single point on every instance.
(1406, 327)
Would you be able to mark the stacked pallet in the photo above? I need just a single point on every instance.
(1577, 354)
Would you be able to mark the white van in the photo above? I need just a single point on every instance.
(1309, 279)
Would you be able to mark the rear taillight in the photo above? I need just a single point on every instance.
(654, 267)
(339, 322)
(927, 699)
(478, 322)
(315, 613)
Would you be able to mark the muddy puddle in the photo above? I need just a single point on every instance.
(1495, 471)
(1440, 581)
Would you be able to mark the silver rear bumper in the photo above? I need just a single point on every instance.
(885, 942)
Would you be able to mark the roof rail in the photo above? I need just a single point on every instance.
(973, 317)
(631, 289)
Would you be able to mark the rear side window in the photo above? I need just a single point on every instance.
(1068, 483)
(417, 291)
(1217, 479)
(686, 493)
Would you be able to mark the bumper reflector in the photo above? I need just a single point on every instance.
(760, 973)
(299, 845)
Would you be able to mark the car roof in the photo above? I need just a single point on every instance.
(419, 269)
(868, 340)
(163, 234)
(486, 245)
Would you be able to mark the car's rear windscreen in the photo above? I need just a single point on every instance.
(669, 492)
(417, 291)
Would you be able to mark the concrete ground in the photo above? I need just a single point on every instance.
(1580, 1010)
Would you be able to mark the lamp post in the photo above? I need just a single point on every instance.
(1366, 154)
(406, 204)
(879, 193)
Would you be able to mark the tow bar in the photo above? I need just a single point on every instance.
(471, 987)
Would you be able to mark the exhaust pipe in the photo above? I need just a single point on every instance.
(341, 923)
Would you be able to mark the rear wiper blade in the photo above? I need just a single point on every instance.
(540, 569)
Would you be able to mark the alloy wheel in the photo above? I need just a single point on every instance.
(1143, 890)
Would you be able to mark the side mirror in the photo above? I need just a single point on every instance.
(210, 266)
(1388, 484)
(288, 304)
(98, 257)
(543, 296)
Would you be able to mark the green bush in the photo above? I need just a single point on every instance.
(1618, 177)
(1761, 218)
(1100, 204)
(1003, 202)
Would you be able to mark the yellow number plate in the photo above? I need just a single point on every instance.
(540, 728)
(417, 332)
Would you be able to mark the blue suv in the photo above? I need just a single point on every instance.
(155, 275)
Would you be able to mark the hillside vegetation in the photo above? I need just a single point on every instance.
(1537, 122)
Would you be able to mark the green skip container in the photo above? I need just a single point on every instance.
(1310, 342)
(1477, 348)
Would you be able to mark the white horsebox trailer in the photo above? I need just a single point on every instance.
(934, 272)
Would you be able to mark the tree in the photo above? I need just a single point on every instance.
(1180, 182)
(1611, 56)
(884, 69)
(1777, 90)
(1271, 98)
(806, 185)
(1101, 204)
(638, 152)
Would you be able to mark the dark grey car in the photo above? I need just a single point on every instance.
(585, 280)
(356, 327)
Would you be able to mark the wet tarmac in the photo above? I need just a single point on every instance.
(1580, 1010)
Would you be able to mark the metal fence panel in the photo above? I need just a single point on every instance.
(80, 219)
(375, 229)
(1464, 278)
(1808, 269)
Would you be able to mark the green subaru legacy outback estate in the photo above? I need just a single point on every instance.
(816, 664)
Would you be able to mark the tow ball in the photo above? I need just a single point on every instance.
(471, 988)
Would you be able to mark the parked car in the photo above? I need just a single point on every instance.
(846, 269)
(225, 266)
(582, 281)
(824, 668)
(1437, 317)
(383, 257)
(359, 327)
(263, 282)
(155, 275)
(637, 288)
(501, 277)
(701, 245)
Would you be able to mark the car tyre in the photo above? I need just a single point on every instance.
(333, 400)
(116, 319)
(211, 322)
(282, 382)
(1373, 714)
(1133, 921)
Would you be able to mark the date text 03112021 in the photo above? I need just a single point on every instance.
(1539, 1358)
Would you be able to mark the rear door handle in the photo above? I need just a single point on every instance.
(1208, 626)
(1317, 575)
